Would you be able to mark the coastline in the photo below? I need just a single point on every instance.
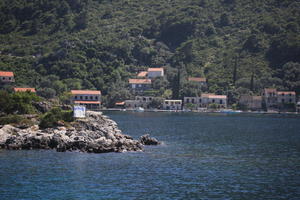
(197, 111)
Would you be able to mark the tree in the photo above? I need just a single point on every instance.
(291, 76)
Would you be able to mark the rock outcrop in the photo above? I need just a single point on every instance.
(96, 133)
(147, 140)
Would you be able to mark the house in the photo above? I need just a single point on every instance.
(172, 105)
(286, 97)
(251, 102)
(205, 100)
(155, 72)
(269, 96)
(140, 85)
(201, 81)
(6, 77)
(139, 101)
(89, 98)
(24, 90)
(120, 104)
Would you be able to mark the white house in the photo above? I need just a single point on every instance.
(172, 105)
(206, 99)
(155, 72)
(90, 98)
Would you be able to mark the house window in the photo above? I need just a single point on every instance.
(221, 101)
(290, 100)
(188, 100)
(282, 100)
(96, 97)
(193, 101)
(86, 97)
(3, 78)
(91, 97)
(213, 101)
(282, 94)
(9, 78)
(200, 100)
(75, 97)
(167, 102)
(144, 99)
(81, 97)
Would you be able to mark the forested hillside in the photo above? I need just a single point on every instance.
(240, 46)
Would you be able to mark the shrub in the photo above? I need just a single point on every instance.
(11, 119)
(51, 118)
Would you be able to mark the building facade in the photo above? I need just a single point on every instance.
(286, 97)
(269, 96)
(6, 77)
(205, 100)
(155, 72)
(140, 85)
(89, 98)
(172, 105)
(139, 101)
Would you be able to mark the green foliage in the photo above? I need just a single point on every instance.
(11, 119)
(92, 44)
(54, 116)
(18, 102)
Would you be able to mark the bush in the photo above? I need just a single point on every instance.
(54, 116)
(18, 102)
(11, 119)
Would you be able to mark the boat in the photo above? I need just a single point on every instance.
(139, 109)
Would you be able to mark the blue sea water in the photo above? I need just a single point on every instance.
(203, 156)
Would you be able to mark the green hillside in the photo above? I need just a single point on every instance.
(240, 46)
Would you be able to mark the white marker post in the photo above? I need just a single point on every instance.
(79, 111)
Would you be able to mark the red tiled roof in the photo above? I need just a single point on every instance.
(120, 103)
(155, 69)
(286, 92)
(24, 89)
(9, 74)
(270, 90)
(142, 74)
(88, 102)
(86, 92)
(197, 79)
(139, 81)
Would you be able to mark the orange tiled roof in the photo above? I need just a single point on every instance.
(24, 89)
(286, 92)
(155, 69)
(197, 79)
(9, 74)
(97, 92)
(142, 74)
(88, 102)
(270, 90)
(139, 81)
(120, 103)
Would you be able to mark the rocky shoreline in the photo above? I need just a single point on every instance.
(94, 134)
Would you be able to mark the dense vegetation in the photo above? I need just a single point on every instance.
(240, 46)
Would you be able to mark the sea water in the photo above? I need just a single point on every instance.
(203, 156)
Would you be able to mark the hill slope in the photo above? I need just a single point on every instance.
(72, 44)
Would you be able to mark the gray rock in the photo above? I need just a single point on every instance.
(147, 140)
(96, 133)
